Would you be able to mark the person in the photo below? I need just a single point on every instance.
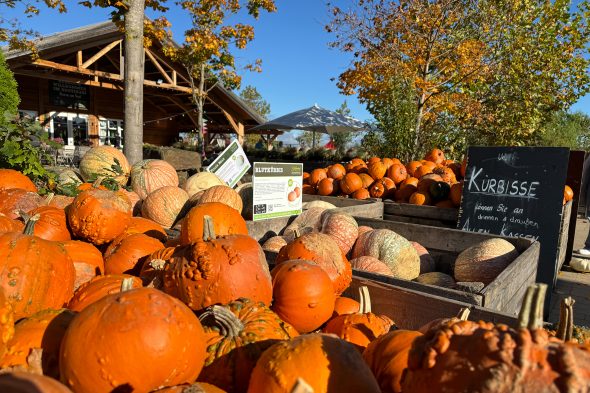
(586, 187)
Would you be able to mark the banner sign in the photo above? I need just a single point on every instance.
(276, 190)
(231, 165)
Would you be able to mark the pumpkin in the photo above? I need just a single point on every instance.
(197, 387)
(446, 174)
(480, 356)
(87, 259)
(237, 335)
(360, 328)
(427, 263)
(388, 162)
(318, 203)
(15, 200)
(95, 184)
(303, 294)
(377, 189)
(6, 323)
(387, 357)
(377, 170)
(9, 178)
(326, 363)
(345, 305)
(438, 323)
(373, 160)
(341, 227)
(99, 216)
(43, 330)
(140, 326)
(201, 181)
(274, 243)
(105, 161)
(484, 261)
(24, 382)
(420, 198)
(215, 270)
(164, 205)
(125, 254)
(426, 180)
(456, 193)
(568, 193)
(366, 180)
(59, 201)
(580, 265)
(51, 224)
(423, 171)
(35, 274)
(9, 225)
(397, 173)
(308, 189)
(226, 219)
(223, 194)
(328, 186)
(436, 278)
(68, 177)
(392, 249)
(324, 251)
(99, 287)
(370, 264)
(435, 155)
(316, 176)
(336, 171)
(412, 166)
(147, 227)
(307, 222)
(439, 190)
(350, 183)
(134, 200)
(360, 194)
(149, 175)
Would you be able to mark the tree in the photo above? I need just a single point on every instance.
(484, 70)
(305, 139)
(9, 98)
(342, 139)
(566, 129)
(254, 99)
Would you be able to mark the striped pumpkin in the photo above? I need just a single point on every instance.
(99, 161)
(149, 175)
(164, 205)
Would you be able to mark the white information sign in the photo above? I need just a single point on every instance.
(276, 190)
(231, 164)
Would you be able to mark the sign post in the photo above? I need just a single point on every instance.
(517, 192)
(231, 165)
(276, 190)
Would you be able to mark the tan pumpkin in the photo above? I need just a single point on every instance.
(427, 263)
(105, 161)
(436, 278)
(164, 205)
(200, 182)
(274, 243)
(341, 227)
(484, 261)
(149, 175)
(370, 264)
(222, 194)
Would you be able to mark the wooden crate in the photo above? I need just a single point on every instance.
(504, 294)
(371, 208)
(563, 235)
(423, 215)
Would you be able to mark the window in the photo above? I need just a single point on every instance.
(69, 128)
(110, 132)
(26, 114)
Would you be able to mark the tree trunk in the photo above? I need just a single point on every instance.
(200, 101)
(134, 72)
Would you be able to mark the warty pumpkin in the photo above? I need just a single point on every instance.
(43, 330)
(149, 175)
(214, 270)
(303, 294)
(59, 201)
(462, 315)
(226, 221)
(237, 335)
(35, 274)
(51, 224)
(164, 205)
(87, 259)
(99, 216)
(341, 227)
(105, 161)
(9, 178)
(15, 200)
(6, 322)
(23, 382)
(125, 254)
(99, 287)
(362, 327)
(328, 365)
(370, 264)
(324, 251)
(143, 338)
(223, 194)
(484, 261)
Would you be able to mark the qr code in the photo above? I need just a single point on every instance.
(260, 209)
(269, 208)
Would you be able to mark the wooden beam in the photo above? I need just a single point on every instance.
(174, 77)
(167, 64)
(189, 111)
(79, 60)
(181, 89)
(100, 53)
(240, 133)
(159, 67)
(64, 78)
(64, 67)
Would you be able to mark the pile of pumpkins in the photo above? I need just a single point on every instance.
(433, 180)
(96, 299)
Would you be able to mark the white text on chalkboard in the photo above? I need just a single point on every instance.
(479, 182)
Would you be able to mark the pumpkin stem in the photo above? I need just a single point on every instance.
(219, 316)
(127, 284)
(365, 300)
(98, 182)
(157, 264)
(463, 314)
(208, 228)
(296, 233)
(301, 387)
(565, 329)
(531, 312)
(48, 199)
(30, 223)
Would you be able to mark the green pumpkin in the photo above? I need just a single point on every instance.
(439, 190)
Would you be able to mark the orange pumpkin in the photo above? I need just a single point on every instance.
(149, 175)
(345, 305)
(125, 254)
(120, 331)
(568, 193)
(456, 193)
(377, 170)
(308, 189)
(51, 224)
(147, 227)
(200, 387)
(99, 216)
(305, 177)
(412, 166)
(9, 178)
(446, 174)
(423, 171)
(388, 162)
(362, 193)
(88, 261)
(420, 198)
(397, 173)
(350, 183)
(223, 194)
(377, 189)
(328, 186)
(15, 200)
(6, 323)
(336, 171)
(10, 225)
(426, 181)
(226, 221)
(316, 176)
(99, 287)
(435, 155)
(373, 160)
(366, 179)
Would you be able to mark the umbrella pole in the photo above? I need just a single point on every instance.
(313, 139)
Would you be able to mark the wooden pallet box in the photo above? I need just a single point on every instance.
(370, 208)
(420, 214)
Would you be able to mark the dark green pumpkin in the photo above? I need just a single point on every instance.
(439, 190)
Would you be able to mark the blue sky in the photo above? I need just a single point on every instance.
(297, 63)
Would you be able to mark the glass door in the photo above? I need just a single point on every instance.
(110, 132)
(68, 128)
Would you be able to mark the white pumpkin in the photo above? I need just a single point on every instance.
(202, 181)
(580, 265)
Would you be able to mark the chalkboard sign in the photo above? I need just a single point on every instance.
(69, 95)
(517, 192)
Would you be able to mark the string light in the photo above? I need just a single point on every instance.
(170, 117)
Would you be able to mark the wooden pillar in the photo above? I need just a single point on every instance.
(93, 117)
(240, 132)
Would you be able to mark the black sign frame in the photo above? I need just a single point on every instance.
(69, 95)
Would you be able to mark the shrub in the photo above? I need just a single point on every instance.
(9, 98)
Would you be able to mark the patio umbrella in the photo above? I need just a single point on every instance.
(314, 119)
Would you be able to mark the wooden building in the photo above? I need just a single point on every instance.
(75, 89)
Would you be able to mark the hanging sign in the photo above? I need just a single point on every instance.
(276, 190)
(69, 95)
(231, 165)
